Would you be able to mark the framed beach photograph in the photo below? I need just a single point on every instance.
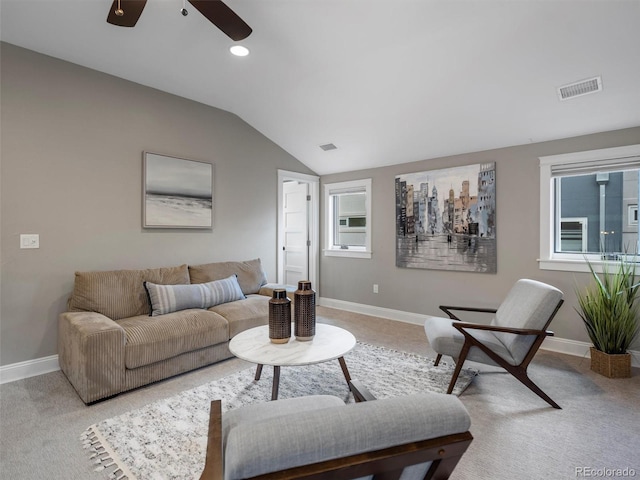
(177, 193)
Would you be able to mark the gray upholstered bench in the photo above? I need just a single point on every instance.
(319, 437)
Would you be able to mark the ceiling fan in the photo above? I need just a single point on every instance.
(125, 13)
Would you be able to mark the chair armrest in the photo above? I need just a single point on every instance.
(494, 328)
(213, 465)
(360, 392)
(91, 354)
(446, 309)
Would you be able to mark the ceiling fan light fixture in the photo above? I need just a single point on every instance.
(239, 50)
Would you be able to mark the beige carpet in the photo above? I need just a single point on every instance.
(170, 435)
(517, 435)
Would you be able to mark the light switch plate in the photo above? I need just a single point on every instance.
(29, 240)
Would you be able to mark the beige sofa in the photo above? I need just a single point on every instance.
(108, 343)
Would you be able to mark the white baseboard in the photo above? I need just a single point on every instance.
(30, 368)
(554, 344)
(40, 366)
(407, 317)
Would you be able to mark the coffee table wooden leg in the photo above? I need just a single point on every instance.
(258, 371)
(345, 371)
(276, 382)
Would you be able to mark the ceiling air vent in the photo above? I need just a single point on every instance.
(328, 146)
(577, 89)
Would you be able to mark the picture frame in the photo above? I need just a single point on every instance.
(446, 219)
(176, 192)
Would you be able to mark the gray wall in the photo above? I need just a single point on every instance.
(518, 239)
(71, 171)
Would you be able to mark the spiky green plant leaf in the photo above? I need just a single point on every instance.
(608, 307)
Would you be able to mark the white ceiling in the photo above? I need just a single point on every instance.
(387, 82)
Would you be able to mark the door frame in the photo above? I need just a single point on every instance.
(314, 223)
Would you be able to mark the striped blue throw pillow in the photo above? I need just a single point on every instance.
(171, 298)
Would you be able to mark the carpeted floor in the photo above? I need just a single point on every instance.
(170, 435)
(517, 435)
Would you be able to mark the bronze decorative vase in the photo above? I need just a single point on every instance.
(279, 316)
(304, 312)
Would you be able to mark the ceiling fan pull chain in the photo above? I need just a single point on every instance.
(119, 12)
(184, 11)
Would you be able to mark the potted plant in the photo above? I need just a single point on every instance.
(609, 311)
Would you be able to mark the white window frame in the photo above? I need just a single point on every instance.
(331, 189)
(617, 158)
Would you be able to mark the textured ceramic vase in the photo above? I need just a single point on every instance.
(279, 317)
(304, 312)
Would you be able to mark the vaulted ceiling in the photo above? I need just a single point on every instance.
(387, 82)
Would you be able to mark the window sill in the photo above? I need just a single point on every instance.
(563, 265)
(347, 253)
(569, 265)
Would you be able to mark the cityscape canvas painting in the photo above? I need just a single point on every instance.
(446, 219)
(177, 193)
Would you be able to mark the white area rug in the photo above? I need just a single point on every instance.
(167, 439)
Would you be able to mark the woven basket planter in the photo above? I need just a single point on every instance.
(611, 366)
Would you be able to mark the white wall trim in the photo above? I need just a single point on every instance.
(553, 344)
(40, 366)
(30, 368)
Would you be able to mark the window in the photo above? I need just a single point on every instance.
(588, 207)
(348, 219)
(573, 235)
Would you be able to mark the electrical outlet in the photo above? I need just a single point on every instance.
(29, 240)
(375, 288)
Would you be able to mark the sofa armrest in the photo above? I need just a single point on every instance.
(91, 354)
(268, 288)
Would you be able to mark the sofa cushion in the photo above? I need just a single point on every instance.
(152, 339)
(250, 274)
(172, 298)
(120, 293)
(251, 312)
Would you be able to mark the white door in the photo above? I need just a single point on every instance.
(295, 232)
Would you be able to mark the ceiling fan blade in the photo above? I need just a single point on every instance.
(132, 9)
(223, 17)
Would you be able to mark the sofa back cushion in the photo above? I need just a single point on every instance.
(120, 293)
(250, 274)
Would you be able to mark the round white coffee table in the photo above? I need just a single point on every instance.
(329, 343)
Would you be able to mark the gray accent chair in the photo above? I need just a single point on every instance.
(413, 437)
(510, 341)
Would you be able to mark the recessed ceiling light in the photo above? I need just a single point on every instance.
(239, 50)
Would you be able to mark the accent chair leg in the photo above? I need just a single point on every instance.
(435, 364)
(524, 378)
(463, 355)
